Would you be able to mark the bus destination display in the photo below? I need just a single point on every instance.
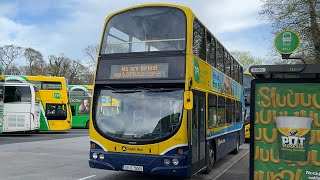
(139, 71)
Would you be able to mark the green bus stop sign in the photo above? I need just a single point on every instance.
(286, 42)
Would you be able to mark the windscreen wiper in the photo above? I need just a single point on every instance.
(109, 87)
(122, 90)
(158, 89)
(126, 91)
(163, 90)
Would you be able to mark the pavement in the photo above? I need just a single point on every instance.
(64, 156)
(240, 170)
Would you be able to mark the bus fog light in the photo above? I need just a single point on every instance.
(166, 162)
(175, 161)
(101, 156)
(94, 155)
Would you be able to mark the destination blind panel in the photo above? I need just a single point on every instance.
(144, 68)
(141, 71)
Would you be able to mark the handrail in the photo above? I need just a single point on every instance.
(148, 41)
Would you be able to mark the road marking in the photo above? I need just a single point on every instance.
(88, 177)
(230, 166)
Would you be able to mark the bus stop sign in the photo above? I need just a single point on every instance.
(286, 42)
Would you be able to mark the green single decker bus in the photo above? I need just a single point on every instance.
(80, 100)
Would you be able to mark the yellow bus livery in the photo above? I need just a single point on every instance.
(179, 92)
(55, 111)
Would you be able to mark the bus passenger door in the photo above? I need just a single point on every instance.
(198, 136)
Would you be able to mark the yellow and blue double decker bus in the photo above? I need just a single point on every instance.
(179, 91)
(55, 113)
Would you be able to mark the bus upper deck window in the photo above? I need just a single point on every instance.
(145, 29)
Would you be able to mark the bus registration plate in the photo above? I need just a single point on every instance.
(133, 168)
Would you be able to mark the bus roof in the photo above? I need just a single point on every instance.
(85, 86)
(285, 71)
(17, 84)
(40, 78)
(184, 8)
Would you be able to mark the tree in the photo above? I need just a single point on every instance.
(88, 77)
(8, 54)
(91, 52)
(301, 16)
(36, 64)
(246, 59)
(59, 65)
(72, 70)
(14, 69)
(78, 73)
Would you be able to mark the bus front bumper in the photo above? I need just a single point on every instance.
(152, 164)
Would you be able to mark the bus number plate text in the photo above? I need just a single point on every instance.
(133, 168)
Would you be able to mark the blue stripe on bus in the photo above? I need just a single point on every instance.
(229, 129)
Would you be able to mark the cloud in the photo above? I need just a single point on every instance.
(67, 27)
(231, 15)
(81, 25)
(8, 9)
(13, 32)
(258, 41)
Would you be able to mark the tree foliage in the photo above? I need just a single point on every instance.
(8, 54)
(302, 16)
(72, 70)
(78, 73)
(59, 65)
(246, 59)
(91, 52)
(35, 64)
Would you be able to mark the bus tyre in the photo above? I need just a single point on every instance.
(236, 150)
(32, 131)
(87, 124)
(210, 160)
(36, 131)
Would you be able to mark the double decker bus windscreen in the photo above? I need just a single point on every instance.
(145, 29)
(138, 115)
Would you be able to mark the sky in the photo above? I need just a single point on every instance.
(68, 26)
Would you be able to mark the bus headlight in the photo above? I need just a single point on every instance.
(166, 162)
(175, 161)
(101, 156)
(94, 155)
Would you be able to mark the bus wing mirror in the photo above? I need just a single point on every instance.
(188, 100)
